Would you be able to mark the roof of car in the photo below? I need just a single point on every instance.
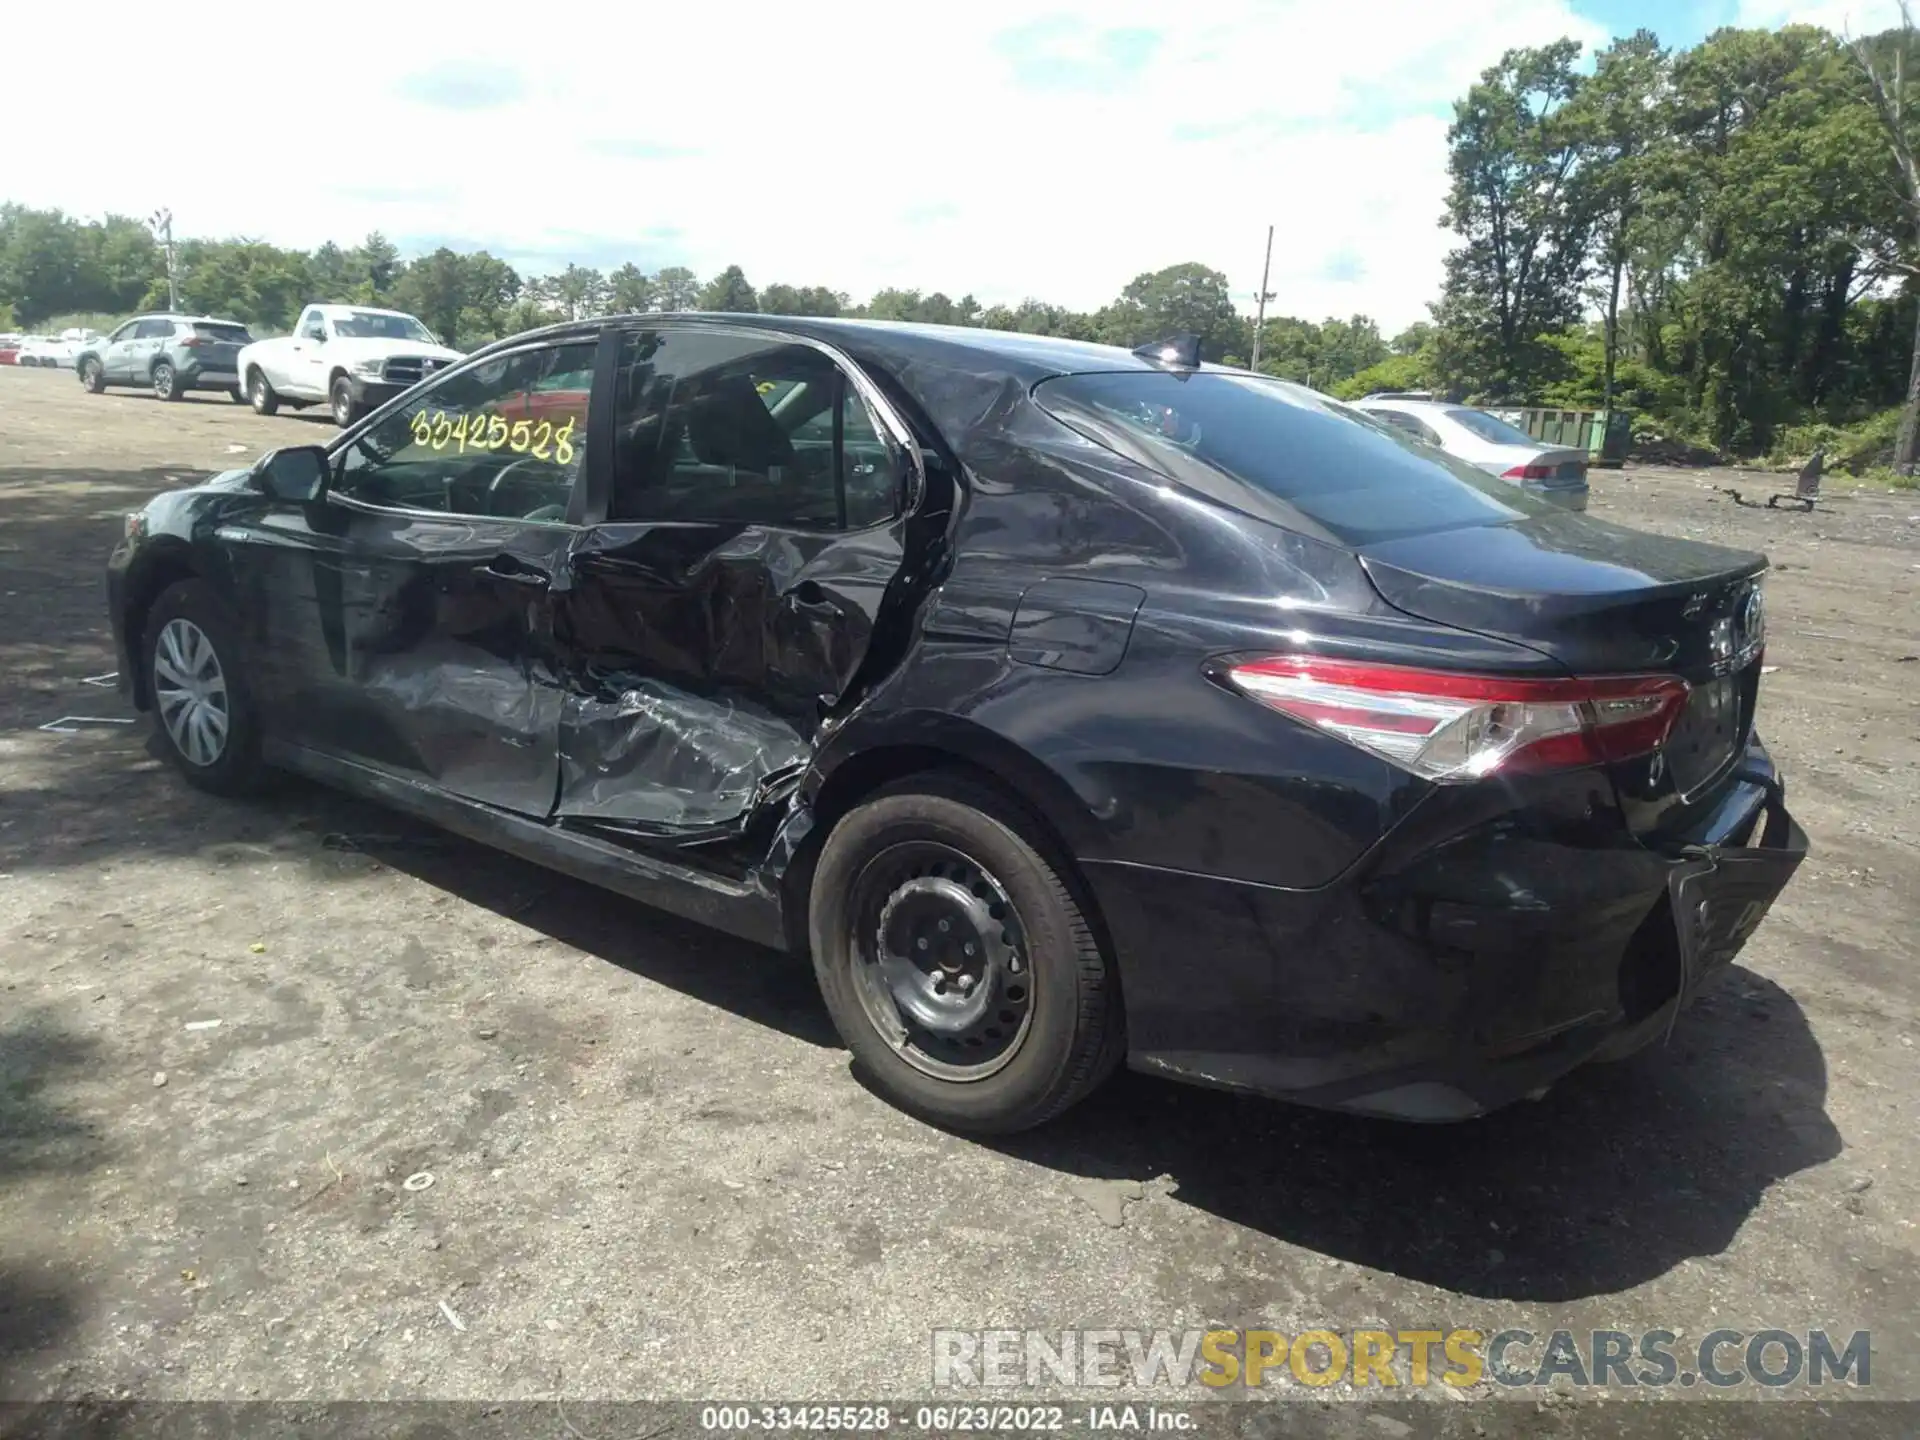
(1405, 405)
(338, 308)
(963, 347)
(189, 319)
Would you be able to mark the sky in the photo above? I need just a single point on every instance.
(1003, 148)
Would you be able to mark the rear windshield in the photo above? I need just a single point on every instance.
(1246, 441)
(1487, 427)
(234, 334)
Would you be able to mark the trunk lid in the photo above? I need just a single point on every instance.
(1604, 600)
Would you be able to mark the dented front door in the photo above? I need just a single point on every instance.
(726, 603)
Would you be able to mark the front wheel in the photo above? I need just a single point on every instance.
(957, 964)
(92, 377)
(166, 381)
(346, 409)
(260, 393)
(202, 709)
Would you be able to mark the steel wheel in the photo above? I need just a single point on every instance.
(939, 960)
(164, 380)
(91, 376)
(190, 691)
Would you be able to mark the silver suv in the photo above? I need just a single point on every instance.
(171, 353)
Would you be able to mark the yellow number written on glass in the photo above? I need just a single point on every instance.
(542, 434)
(522, 437)
(563, 443)
(422, 429)
(496, 432)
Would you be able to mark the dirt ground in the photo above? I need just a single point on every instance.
(653, 1173)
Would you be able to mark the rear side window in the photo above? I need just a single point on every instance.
(1248, 442)
(733, 429)
(230, 334)
(1489, 428)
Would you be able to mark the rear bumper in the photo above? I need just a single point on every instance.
(1567, 497)
(1443, 985)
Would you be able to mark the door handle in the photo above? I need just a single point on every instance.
(505, 567)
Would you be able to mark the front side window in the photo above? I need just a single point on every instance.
(760, 431)
(503, 440)
(1247, 441)
(125, 332)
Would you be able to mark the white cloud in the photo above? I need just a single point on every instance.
(1842, 17)
(998, 147)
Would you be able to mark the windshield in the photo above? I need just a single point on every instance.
(1488, 428)
(372, 325)
(1240, 439)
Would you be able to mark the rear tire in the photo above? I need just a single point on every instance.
(346, 409)
(260, 394)
(93, 379)
(166, 382)
(943, 869)
(203, 713)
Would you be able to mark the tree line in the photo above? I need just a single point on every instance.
(52, 264)
(1722, 240)
(1717, 238)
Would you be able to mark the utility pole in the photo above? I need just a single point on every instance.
(1260, 309)
(162, 222)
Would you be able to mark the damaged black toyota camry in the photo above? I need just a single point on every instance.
(1068, 705)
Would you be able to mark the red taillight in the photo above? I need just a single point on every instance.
(194, 342)
(1529, 472)
(1452, 727)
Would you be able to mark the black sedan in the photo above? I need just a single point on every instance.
(1068, 705)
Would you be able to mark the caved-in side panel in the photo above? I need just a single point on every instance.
(700, 660)
(646, 753)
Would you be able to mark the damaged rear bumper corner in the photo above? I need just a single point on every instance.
(1318, 998)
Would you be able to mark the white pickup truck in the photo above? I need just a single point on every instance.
(353, 358)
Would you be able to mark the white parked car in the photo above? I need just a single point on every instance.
(352, 358)
(36, 350)
(1555, 473)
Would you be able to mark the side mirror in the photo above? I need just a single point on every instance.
(297, 474)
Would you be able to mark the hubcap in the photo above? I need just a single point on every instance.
(162, 381)
(340, 403)
(190, 691)
(940, 961)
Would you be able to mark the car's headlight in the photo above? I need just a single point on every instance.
(369, 369)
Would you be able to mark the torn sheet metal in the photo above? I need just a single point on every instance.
(648, 753)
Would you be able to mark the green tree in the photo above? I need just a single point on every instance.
(631, 290)
(678, 287)
(576, 293)
(1887, 62)
(1187, 299)
(1621, 117)
(729, 291)
(1512, 156)
(801, 300)
(378, 262)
